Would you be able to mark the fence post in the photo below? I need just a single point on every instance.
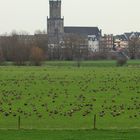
(95, 121)
(18, 122)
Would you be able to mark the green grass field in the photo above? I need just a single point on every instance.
(98, 63)
(70, 135)
(60, 96)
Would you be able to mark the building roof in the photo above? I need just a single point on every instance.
(128, 34)
(82, 30)
(121, 37)
(138, 34)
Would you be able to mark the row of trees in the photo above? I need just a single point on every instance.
(134, 48)
(20, 50)
(34, 49)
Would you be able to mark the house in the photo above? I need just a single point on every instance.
(91, 34)
(93, 43)
(121, 41)
(106, 42)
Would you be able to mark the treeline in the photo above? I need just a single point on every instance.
(21, 49)
(134, 48)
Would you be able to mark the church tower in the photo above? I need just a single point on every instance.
(55, 24)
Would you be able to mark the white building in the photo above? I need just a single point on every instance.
(93, 43)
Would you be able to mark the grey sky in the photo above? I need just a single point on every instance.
(112, 16)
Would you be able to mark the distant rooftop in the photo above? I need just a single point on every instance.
(54, 0)
(82, 30)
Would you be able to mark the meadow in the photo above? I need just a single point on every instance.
(70, 135)
(60, 96)
(59, 101)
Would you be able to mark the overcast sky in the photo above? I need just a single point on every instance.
(112, 16)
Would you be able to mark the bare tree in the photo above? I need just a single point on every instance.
(41, 41)
(20, 50)
(1, 56)
(68, 50)
(134, 47)
(36, 56)
(76, 47)
(40, 32)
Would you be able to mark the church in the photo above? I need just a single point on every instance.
(57, 31)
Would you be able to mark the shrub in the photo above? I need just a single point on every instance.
(121, 61)
(37, 56)
(1, 57)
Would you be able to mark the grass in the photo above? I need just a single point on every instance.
(67, 97)
(97, 63)
(61, 97)
(70, 135)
